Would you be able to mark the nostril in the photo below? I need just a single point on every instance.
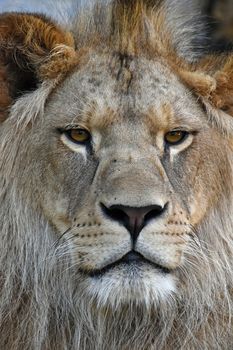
(154, 213)
(115, 213)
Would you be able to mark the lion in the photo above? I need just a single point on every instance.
(116, 181)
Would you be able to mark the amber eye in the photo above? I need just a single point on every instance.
(175, 137)
(78, 135)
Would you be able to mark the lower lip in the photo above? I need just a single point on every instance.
(130, 264)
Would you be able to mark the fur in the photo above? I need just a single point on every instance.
(44, 302)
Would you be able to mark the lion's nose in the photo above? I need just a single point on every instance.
(133, 218)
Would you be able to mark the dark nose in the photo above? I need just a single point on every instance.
(133, 218)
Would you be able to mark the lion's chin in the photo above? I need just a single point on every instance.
(129, 283)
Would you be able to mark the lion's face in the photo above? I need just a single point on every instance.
(116, 173)
(127, 197)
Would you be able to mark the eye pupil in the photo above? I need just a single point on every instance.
(79, 135)
(175, 137)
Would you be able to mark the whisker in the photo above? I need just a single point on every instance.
(62, 236)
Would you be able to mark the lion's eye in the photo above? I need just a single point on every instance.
(175, 137)
(78, 135)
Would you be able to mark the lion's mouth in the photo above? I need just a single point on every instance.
(133, 259)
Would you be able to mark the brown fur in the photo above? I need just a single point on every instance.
(212, 79)
(32, 49)
(5, 99)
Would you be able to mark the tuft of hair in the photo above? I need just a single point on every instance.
(163, 26)
(33, 49)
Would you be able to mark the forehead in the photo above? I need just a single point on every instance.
(126, 87)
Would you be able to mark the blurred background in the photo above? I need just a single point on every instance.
(217, 13)
(220, 18)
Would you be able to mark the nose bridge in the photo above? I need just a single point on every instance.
(133, 178)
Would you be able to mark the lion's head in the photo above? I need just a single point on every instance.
(116, 184)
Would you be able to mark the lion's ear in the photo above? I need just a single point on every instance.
(32, 49)
(212, 81)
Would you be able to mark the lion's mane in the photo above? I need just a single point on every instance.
(41, 306)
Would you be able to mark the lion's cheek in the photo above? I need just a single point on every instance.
(56, 211)
(198, 207)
